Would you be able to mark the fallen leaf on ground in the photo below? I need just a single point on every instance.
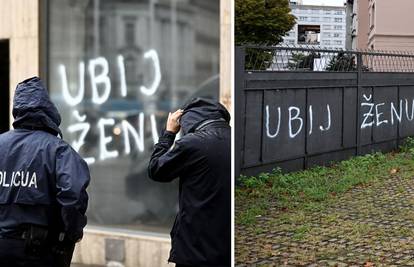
(394, 170)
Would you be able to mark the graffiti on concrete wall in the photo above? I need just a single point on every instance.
(373, 114)
(295, 114)
(100, 84)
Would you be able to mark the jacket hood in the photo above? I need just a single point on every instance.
(199, 110)
(32, 107)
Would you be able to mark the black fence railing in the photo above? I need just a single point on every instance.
(306, 58)
(300, 107)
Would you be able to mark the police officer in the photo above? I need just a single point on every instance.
(43, 183)
(201, 235)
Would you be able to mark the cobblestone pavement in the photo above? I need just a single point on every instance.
(371, 226)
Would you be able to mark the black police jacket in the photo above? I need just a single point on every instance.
(42, 179)
(201, 235)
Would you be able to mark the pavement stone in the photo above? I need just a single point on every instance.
(366, 226)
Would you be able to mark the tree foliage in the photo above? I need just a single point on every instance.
(263, 22)
(344, 62)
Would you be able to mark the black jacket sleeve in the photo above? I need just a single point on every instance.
(167, 163)
(72, 178)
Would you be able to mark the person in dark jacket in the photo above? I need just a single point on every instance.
(43, 184)
(201, 159)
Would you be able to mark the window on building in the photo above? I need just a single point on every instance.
(327, 19)
(129, 31)
(339, 12)
(117, 95)
(338, 42)
(372, 16)
(327, 12)
(338, 27)
(337, 35)
(314, 19)
(309, 34)
(338, 19)
(302, 18)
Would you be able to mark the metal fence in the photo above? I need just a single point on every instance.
(301, 107)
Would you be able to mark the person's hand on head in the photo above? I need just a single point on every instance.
(173, 124)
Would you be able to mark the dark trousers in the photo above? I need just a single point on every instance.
(12, 254)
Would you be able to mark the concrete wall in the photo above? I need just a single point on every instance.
(101, 246)
(19, 23)
(226, 57)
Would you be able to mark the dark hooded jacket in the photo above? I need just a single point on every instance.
(201, 235)
(42, 179)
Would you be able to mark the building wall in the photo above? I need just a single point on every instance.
(332, 32)
(226, 57)
(19, 23)
(362, 20)
(129, 249)
(349, 7)
(391, 26)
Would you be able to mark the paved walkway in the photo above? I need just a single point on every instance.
(372, 226)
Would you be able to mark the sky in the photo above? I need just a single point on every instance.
(324, 2)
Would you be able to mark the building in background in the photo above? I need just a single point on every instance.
(116, 68)
(323, 26)
(383, 24)
(296, 2)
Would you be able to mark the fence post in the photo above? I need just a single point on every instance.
(358, 120)
(239, 107)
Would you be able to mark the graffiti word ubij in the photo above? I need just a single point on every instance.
(101, 90)
(295, 121)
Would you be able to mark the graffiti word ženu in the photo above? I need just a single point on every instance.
(373, 113)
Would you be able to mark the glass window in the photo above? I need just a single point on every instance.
(338, 27)
(338, 19)
(116, 68)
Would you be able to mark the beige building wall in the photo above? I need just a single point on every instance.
(362, 20)
(19, 23)
(226, 57)
(391, 25)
